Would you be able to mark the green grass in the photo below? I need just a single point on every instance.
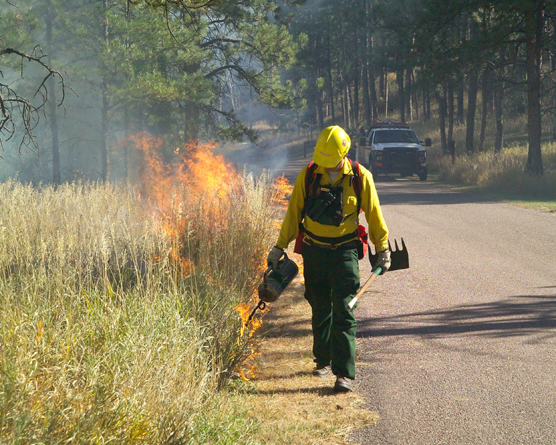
(118, 323)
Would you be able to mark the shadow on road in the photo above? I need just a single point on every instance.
(516, 316)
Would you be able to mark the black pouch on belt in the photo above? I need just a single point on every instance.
(327, 207)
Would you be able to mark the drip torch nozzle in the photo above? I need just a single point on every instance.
(261, 306)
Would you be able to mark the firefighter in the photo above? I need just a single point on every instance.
(329, 220)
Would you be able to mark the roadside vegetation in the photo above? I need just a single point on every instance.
(501, 175)
(118, 323)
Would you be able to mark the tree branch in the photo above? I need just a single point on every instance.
(12, 104)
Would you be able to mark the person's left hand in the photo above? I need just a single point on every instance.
(383, 261)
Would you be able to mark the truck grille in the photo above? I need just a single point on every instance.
(400, 158)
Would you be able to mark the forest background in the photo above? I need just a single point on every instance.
(219, 70)
(127, 259)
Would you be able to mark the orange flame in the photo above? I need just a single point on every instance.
(199, 172)
(247, 369)
(282, 190)
(195, 169)
(206, 172)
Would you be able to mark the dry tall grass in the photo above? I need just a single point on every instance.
(503, 172)
(115, 330)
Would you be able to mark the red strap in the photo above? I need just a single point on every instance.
(311, 168)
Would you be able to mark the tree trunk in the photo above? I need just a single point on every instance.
(450, 136)
(409, 89)
(356, 77)
(318, 99)
(428, 103)
(105, 104)
(460, 96)
(462, 36)
(471, 111)
(366, 95)
(330, 80)
(533, 32)
(425, 103)
(386, 92)
(498, 110)
(372, 86)
(126, 145)
(415, 96)
(56, 176)
(401, 93)
(344, 106)
(442, 119)
(344, 79)
(485, 96)
(472, 95)
(382, 83)
(350, 112)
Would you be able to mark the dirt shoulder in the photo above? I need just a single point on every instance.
(296, 407)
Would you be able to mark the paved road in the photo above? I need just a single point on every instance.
(461, 348)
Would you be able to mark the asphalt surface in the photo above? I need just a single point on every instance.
(461, 347)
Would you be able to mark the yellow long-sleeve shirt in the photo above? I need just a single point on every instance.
(378, 232)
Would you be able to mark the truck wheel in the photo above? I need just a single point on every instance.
(423, 175)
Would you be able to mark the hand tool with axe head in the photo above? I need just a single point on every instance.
(399, 260)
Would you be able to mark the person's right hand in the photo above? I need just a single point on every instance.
(274, 257)
(383, 261)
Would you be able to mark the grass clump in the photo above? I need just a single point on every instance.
(117, 323)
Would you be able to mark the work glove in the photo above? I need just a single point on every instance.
(383, 261)
(274, 257)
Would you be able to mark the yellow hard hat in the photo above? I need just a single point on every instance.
(332, 145)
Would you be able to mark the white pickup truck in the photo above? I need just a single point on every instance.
(392, 147)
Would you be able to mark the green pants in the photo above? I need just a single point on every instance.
(331, 280)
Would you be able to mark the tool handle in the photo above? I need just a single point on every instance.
(361, 291)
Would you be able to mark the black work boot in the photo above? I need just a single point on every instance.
(343, 384)
(322, 371)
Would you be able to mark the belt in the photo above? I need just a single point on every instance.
(338, 240)
(349, 245)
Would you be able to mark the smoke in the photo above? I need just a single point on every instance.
(80, 127)
(254, 158)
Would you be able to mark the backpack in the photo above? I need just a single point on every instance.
(312, 181)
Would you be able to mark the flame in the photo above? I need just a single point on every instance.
(194, 167)
(247, 368)
(249, 327)
(195, 170)
(282, 190)
(206, 172)
(156, 176)
(198, 172)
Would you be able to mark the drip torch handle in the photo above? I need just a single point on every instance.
(265, 275)
(361, 291)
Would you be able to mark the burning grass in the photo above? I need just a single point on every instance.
(117, 323)
(119, 313)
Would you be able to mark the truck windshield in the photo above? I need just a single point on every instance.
(396, 136)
